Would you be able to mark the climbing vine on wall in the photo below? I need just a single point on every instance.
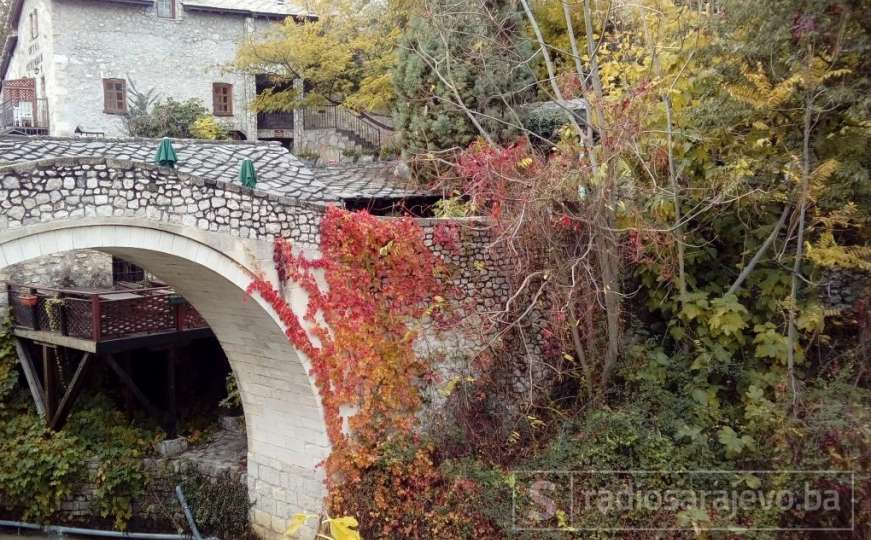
(368, 293)
(8, 375)
(379, 278)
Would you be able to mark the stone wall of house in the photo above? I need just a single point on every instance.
(34, 53)
(65, 188)
(84, 268)
(178, 58)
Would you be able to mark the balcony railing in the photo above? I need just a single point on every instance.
(275, 120)
(102, 315)
(344, 121)
(27, 117)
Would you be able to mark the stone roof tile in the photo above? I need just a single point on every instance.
(278, 171)
(380, 180)
(254, 7)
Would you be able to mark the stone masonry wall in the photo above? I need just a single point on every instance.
(64, 188)
(177, 58)
(84, 268)
(477, 274)
(327, 143)
(477, 289)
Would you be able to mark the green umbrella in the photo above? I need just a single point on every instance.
(165, 156)
(247, 175)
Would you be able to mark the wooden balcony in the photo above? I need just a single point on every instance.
(106, 320)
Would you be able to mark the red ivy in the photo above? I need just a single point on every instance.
(380, 280)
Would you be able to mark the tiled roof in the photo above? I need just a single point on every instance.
(278, 171)
(254, 7)
(380, 180)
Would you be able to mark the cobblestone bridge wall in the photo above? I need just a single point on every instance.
(64, 188)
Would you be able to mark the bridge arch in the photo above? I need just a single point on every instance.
(285, 427)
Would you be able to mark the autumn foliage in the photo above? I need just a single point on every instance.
(367, 295)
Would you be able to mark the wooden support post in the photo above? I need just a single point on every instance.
(125, 378)
(49, 375)
(96, 318)
(177, 312)
(31, 375)
(34, 310)
(172, 412)
(75, 387)
(64, 327)
(125, 391)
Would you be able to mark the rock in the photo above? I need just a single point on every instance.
(236, 424)
(171, 447)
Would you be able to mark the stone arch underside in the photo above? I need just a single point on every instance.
(286, 432)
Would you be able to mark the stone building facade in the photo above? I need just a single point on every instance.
(78, 54)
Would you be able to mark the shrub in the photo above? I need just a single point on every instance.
(39, 468)
(220, 505)
(166, 118)
(207, 127)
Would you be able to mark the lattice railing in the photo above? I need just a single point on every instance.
(104, 314)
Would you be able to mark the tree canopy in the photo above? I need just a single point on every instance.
(345, 56)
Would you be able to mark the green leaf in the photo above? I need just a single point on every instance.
(733, 443)
(728, 317)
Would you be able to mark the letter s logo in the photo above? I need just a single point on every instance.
(546, 504)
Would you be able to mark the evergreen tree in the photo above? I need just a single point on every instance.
(459, 64)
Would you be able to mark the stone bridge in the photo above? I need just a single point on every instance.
(204, 237)
(201, 232)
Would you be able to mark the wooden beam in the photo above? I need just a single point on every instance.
(49, 377)
(137, 393)
(75, 387)
(32, 377)
(128, 396)
(116, 345)
(68, 342)
(162, 339)
(172, 413)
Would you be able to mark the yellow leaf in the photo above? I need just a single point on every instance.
(296, 523)
(344, 528)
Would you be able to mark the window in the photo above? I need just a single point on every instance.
(166, 8)
(222, 99)
(34, 24)
(123, 271)
(114, 96)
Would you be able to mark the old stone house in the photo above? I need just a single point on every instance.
(70, 67)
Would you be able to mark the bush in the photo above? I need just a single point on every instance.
(220, 505)
(41, 469)
(169, 118)
(8, 373)
(405, 494)
(207, 127)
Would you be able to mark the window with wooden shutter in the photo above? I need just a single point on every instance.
(166, 8)
(222, 99)
(114, 96)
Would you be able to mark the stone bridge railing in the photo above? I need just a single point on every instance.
(70, 187)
